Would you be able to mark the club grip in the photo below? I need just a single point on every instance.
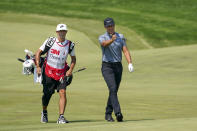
(21, 60)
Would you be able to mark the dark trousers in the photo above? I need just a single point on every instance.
(112, 73)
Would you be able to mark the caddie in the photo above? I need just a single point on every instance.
(55, 70)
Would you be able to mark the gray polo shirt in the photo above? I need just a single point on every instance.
(113, 52)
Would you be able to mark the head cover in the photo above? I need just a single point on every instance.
(109, 22)
(28, 67)
(69, 80)
(61, 27)
(66, 80)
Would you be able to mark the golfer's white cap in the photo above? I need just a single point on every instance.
(61, 27)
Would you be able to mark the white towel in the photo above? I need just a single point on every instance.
(37, 78)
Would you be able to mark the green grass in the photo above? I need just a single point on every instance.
(160, 95)
(85, 26)
(161, 23)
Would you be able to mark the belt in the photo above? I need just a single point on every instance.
(113, 63)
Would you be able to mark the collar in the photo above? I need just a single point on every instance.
(62, 43)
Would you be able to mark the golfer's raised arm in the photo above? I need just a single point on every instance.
(108, 42)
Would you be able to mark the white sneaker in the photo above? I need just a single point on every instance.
(62, 120)
(44, 117)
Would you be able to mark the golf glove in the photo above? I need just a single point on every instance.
(130, 66)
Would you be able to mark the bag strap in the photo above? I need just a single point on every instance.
(51, 41)
(71, 46)
(49, 44)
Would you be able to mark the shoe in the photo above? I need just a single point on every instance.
(44, 117)
(119, 117)
(62, 120)
(109, 118)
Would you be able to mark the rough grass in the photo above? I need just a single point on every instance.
(91, 28)
(161, 22)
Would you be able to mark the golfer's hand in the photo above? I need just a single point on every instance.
(130, 67)
(114, 37)
(68, 73)
(38, 70)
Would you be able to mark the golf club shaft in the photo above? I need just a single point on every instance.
(79, 70)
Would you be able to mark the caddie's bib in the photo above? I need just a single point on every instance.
(56, 60)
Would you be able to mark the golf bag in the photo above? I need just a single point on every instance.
(29, 63)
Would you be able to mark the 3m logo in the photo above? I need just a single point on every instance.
(54, 51)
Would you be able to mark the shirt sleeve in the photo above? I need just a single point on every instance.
(101, 39)
(123, 40)
(72, 53)
(42, 47)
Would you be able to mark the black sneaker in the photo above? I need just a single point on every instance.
(62, 120)
(44, 117)
(119, 117)
(109, 118)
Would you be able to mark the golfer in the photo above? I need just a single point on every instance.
(55, 70)
(112, 45)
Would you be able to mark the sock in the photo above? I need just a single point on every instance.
(61, 115)
(44, 111)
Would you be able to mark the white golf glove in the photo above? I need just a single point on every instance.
(130, 67)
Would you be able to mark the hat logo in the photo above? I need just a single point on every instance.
(61, 26)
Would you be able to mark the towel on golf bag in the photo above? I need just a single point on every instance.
(37, 78)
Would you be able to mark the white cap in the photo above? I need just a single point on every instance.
(61, 27)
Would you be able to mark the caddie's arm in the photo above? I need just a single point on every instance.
(128, 58)
(37, 57)
(72, 65)
(108, 42)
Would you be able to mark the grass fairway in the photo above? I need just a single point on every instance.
(160, 95)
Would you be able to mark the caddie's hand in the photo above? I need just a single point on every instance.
(38, 70)
(130, 67)
(114, 37)
(68, 73)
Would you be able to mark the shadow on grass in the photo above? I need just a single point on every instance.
(139, 120)
(76, 121)
(85, 121)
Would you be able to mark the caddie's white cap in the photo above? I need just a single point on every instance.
(61, 27)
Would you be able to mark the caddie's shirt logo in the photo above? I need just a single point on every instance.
(54, 51)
